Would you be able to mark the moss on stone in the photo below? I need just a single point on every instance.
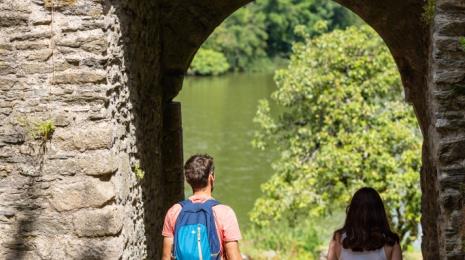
(138, 171)
(429, 9)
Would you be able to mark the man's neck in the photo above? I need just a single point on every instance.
(203, 192)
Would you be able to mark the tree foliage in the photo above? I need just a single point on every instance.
(263, 30)
(208, 62)
(341, 124)
(282, 16)
(241, 38)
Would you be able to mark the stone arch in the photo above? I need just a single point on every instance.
(399, 22)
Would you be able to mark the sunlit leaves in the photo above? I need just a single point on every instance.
(342, 125)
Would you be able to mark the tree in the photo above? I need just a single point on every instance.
(262, 30)
(282, 16)
(208, 62)
(341, 125)
(241, 38)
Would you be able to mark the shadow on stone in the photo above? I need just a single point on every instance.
(27, 207)
(140, 43)
(26, 216)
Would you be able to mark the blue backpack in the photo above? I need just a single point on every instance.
(195, 236)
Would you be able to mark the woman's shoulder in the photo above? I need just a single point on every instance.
(389, 250)
(335, 247)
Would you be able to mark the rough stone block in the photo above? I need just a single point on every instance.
(449, 76)
(12, 138)
(58, 3)
(451, 199)
(30, 36)
(452, 179)
(452, 151)
(109, 248)
(32, 45)
(98, 163)
(90, 137)
(80, 77)
(96, 46)
(39, 55)
(33, 68)
(452, 28)
(81, 193)
(70, 247)
(453, 5)
(83, 26)
(6, 69)
(107, 221)
(7, 83)
(12, 19)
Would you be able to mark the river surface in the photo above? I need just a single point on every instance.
(217, 119)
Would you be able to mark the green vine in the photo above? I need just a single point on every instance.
(429, 10)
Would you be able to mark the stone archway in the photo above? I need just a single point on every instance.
(105, 72)
(414, 45)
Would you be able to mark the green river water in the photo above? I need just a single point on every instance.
(217, 119)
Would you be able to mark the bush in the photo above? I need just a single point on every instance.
(287, 241)
(209, 62)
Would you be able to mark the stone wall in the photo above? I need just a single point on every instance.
(447, 90)
(92, 68)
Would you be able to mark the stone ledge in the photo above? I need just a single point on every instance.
(81, 193)
(451, 151)
(70, 247)
(80, 77)
(107, 221)
(89, 137)
(98, 163)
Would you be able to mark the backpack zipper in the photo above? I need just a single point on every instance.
(198, 243)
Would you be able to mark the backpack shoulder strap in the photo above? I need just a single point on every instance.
(211, 203)
(185, 202)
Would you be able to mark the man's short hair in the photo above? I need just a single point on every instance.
(197, 169)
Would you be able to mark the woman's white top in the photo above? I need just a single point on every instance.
(347, 254)
(379, 254)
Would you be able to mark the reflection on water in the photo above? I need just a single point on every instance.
(217, 119)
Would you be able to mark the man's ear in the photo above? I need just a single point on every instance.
(212, 177)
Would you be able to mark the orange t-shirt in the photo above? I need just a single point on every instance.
(226, 223)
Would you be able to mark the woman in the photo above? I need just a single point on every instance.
(366, 234)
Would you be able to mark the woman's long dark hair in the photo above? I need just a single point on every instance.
(366, 227)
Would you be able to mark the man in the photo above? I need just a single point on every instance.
(199, 173)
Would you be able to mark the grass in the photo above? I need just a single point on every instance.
(43, 130)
